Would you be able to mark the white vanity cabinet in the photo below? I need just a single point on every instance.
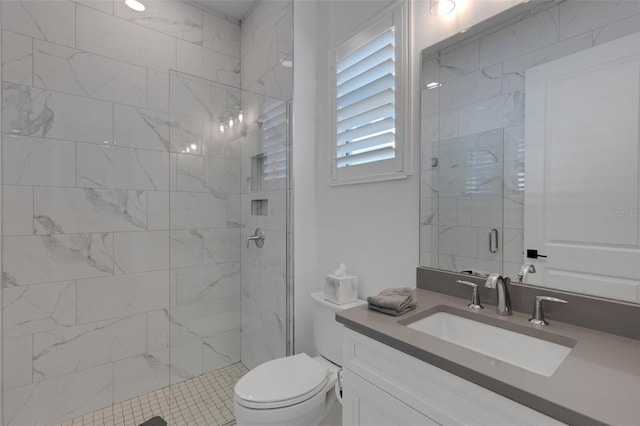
(384, 386)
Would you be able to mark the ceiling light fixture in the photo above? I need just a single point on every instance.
(442, 7)
(135, 5)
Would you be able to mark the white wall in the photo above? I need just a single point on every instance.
(360, 225)
(373, 227)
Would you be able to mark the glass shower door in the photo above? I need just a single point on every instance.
(228, 295)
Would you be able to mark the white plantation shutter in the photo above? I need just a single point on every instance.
(274, 141)
(368, 103)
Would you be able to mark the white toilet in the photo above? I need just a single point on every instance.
(297, 390)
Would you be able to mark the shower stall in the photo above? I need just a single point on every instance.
(139, 155)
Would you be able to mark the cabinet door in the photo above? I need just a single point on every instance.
(437, 395)
(366, 405)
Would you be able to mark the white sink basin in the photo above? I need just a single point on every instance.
(533, 354)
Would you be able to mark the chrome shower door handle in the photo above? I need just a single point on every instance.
(493, 241)
(257, 237)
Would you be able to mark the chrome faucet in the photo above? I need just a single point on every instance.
(524, 270)
(496, 281)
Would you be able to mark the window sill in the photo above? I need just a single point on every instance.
(369, 179)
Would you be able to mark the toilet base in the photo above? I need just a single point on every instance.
(333, 412)
(308, 412)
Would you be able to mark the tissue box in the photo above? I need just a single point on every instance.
(341, 290)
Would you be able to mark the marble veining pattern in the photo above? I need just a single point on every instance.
(151, 49)
(141, 251)
(114, 167)
(207, 282)
(47, 258)
(196, 97)
(80, 73)
(38, 161)
(78, 210)
(44, 20)
(122, 252)
(71, 349)
(17, 58)
(141, 128)
(60, 398)
(208, 64)
(119, 296)
(32, 309)
(35, 112)
(179, 20)
(221, 35)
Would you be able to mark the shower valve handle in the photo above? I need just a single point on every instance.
(257, 237)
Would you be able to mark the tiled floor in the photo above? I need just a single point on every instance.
(206, 400)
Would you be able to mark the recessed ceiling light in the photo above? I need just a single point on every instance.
(135, 5)
(442, 7)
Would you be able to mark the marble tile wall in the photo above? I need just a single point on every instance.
(267, 49)
(121, 214)
(267, 53)
(474, 124)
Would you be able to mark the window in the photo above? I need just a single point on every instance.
(274, 140)
(369, 83)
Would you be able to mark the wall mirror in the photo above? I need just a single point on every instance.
(529, 139)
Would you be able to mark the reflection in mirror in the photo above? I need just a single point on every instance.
(478, 92)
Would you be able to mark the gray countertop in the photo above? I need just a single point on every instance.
(598, 382)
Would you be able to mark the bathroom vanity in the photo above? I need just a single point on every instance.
(385, 386)
(395, 374)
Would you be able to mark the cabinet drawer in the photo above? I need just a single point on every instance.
(442, 396)
(366, 405)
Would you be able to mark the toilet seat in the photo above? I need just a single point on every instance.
(282, 382)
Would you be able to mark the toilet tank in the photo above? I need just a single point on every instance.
(327, 332)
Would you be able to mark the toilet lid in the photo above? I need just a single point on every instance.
(282, 382)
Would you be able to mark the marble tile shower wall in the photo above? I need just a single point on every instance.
(474, 125)
(96, 266)
(267, 42)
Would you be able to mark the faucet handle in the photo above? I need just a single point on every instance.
(538, 314)
(475, 296)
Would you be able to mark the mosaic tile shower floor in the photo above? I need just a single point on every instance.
(205, 400)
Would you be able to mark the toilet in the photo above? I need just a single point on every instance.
(297, 390)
